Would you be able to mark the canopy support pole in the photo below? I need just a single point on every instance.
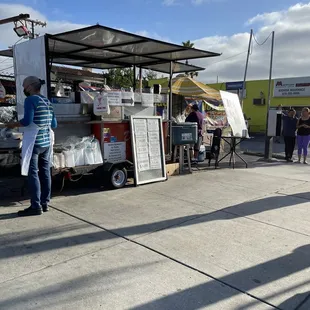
(169, 151)
(134, 78)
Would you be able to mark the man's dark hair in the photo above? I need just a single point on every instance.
(292, 110)
(195, 107)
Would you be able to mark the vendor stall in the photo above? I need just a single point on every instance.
(100, 48)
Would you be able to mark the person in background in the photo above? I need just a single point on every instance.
(303, 134)
(278, 138)
(38, 120)
(196, 117)
(289, 133)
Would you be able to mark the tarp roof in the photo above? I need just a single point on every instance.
(105, 48)
(186, 86)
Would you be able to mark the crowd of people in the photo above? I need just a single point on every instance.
(293, 126)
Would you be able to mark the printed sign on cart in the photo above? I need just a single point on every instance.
(113, 98)
(147, 100)
(294, 87)
(114, 152)
(128, 98)
(234, 113)
(100, 105)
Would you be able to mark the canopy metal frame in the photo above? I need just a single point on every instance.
(105, 48)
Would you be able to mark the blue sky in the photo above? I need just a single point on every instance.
(178, 22)
(214, 25)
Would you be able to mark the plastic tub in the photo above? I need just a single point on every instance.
(184, 133)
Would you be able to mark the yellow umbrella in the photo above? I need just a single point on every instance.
(188, 87)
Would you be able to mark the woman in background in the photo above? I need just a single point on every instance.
(303, 134)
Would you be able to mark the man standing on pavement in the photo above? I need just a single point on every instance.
(196, 117)
(279, 126)
(38, 121)
(289, 133)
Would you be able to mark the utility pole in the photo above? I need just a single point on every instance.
(246, 69)
(33, 24)
(269, 140)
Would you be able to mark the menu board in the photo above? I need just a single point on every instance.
(148, 149)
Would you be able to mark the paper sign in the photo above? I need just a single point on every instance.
(234, 113)
(101, 105)
(147, 100)
(114, 98)
(154, 150)
(152, 125)
(114, 152)
(153, 136)
(155, 162)
(128, 99)
(143, 165)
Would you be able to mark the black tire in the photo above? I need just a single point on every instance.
(117, 178)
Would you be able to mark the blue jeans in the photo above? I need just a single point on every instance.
(39, 177)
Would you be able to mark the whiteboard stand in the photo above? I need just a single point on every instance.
(148, 149)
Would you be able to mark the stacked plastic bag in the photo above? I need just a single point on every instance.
(78, 152)
(10, 138)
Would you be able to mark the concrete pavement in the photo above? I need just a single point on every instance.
(217, 239)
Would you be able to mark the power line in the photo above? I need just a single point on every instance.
(263, 42)
(213, 63)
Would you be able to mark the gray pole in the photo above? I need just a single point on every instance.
(246, 69)
(32, 30)
(269, 140)
(170, 109)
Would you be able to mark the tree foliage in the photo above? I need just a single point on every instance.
(189, 44)
(124, 78)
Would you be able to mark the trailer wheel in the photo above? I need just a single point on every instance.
(118, 177)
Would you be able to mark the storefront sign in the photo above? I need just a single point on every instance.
(294, 87)
(114, 152)
(234, 85)
(234, 113)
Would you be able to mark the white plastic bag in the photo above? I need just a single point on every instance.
(89, 156)
(97, 152)
(79, 157)
(69, 159)
(59, 160)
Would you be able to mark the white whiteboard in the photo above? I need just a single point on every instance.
(29, 60)
(234, 114)
(148, 149)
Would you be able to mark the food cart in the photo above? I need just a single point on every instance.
(101, 48)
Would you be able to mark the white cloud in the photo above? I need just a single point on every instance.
(291, 26)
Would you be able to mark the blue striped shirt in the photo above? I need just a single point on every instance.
(39, 110)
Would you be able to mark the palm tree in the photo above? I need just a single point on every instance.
(190, 44)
